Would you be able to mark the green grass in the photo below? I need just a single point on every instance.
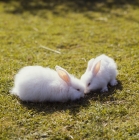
(80, 30)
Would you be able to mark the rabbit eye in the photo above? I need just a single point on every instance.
(78, 89)
(88, 84)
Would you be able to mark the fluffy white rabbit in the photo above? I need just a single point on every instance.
(38, 84)
(100, 71)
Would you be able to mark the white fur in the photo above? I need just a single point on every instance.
(38, 84)
(100, 71)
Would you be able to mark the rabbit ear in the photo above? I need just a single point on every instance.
(90, 64)
(63, 74)
(96, 68)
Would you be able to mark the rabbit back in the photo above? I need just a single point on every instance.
(35, 83)
(108, 69)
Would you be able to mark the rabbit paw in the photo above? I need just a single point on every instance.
(104, 89)
(113, 82)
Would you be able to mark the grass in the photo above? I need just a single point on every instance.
(79, 30)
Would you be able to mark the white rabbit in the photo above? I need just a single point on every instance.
(100, 71)
(38, 84)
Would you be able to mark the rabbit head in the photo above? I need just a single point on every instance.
(76, 87)
(89, 77)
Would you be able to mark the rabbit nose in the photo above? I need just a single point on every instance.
(86, 91)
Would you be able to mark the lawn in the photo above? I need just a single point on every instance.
(77, 31)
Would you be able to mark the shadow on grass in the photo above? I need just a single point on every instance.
(73, 106)
(50, 107)
(63, 7)
(59, 6)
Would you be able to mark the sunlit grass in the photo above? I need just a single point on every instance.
(79, 31)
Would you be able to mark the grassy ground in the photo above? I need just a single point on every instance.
(79, 30)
